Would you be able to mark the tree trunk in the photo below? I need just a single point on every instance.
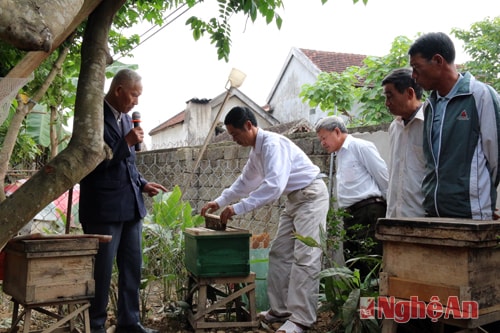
(32, 25)
(86, 148)
(10, 140)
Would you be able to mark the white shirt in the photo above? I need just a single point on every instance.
(361, 172)
(406, 168)
(117, 114)
(275, 166)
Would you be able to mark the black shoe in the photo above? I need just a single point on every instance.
(137, 328)
(97, 329)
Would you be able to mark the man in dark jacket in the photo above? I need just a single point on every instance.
(111, 203)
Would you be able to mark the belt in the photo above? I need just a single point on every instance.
(363, 203)
(318, 176)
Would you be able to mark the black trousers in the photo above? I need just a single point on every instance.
(126, 247)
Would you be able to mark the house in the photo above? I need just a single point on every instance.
(301, 67)
(190, 127)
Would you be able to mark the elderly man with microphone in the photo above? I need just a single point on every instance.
(111, 203)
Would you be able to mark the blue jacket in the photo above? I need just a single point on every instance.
(112, 192)
(461, 180)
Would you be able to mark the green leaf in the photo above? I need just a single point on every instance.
(309, 241)
(38, 125)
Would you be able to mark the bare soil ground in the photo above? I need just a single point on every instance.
(158, 318)
(180, 325)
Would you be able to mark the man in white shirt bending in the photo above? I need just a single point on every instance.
(275, 167)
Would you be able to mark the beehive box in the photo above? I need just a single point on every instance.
(441, 257)
(213, 253)
(50, 269)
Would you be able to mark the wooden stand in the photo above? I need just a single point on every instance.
(443, 258)
(71, 311)
(218, 302)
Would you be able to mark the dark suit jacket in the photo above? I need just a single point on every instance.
(112, 191)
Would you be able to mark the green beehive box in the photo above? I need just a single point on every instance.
(211, 253)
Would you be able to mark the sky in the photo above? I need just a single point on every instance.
(175, 68)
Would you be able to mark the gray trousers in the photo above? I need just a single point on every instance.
(292, 283)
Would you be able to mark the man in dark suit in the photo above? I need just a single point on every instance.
(111, 203)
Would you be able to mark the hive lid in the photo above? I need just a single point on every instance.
(442, 231)
(203, 231)
(54, 243)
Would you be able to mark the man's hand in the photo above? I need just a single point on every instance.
(153, 189)
(226, 214)
(136, 135)
(209, 207)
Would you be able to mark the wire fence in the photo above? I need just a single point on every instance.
(221, 164)
(54, 217)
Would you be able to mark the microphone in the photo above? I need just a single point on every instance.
(136, 120)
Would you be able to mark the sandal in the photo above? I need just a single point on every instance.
(269, 317)
(290, 327)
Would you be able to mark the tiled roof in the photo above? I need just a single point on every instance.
(295, 126)
(177, 119)
(333, 61)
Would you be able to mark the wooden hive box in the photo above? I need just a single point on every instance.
(215, 253)
(50, 269)
(441, 257)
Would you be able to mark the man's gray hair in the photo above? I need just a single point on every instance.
(330, 123)
(126, 77)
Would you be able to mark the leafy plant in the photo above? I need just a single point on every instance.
(482, 43)
(163, 246)
(25, 148)
(359, 240)
(342, 290)
(357, 91)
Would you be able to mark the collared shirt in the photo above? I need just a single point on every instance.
(361, 172)
(406, 167)
(275, 166)
(117, 114)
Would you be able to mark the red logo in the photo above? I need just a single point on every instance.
(367, 307)
(463, 116)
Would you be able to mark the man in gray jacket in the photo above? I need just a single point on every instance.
(462, 133)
